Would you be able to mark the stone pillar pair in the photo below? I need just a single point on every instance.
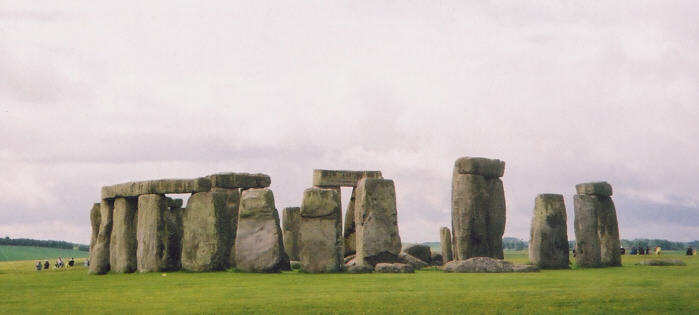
(596, 226)
(478, 208)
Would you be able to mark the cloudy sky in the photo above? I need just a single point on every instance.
(94, 94)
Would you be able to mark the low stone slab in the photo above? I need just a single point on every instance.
(419, 251)
(480, 166)
(240, 180)
(486, 265)
(359, 269)
(333, 178)
(393, 268)
(595, 188)
(414, 262)
(662, 262)
(158, 186)
(437, 259)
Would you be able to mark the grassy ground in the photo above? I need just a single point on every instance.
(10, 253)
(628, 289)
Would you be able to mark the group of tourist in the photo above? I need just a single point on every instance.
(59, 264)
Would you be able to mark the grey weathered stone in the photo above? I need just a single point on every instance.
(291, 223)
(394, 268)
(336, 178)
(478, 216)
(209, 229)
(594, 188)
(349, 231)
(321, 231)
(240, 180)
(376, 221)
(419, 251)
(174, 203)
(490, 168)
(587, 243)
(416, 263)
(259, 246)
(359, 269)
(486, 264)
(608, 232)
(445, 240)
(159, 186)
(99, 255)
(548, 245)
(122, 246)
(95, 223)
(152, 232)
(175, 232)
(436, 259)
(662, 262)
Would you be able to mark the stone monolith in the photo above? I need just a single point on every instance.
(548, 245)
(291, 223)
(608, 232)
(95, 224)
(321, 231)
(445, 240)
(587, 244)
(209, 224)
(151, 232)
(376, 222)
(99, 256)
(259, 246)
(123, 244)
(349, 229)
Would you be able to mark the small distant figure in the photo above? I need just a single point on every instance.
(46, 265)
(657, 250)
(634, 251)
(38, 265)
(690, 251)
(71, 262)
(59, 263)
(640, 250)
(622, 250)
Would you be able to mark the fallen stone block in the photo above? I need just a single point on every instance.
(359, 269)
(661, 262)
(486, 265)
(393, 268)
(419, 251)
(413, 261)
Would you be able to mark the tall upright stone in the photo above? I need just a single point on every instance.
(123, 244)
(259, 246)
(95, 224)
(548, 245)
(152, 232)
(596, 226)
(445, 241)
(321, 231)
(376, 221)
(349, 229)
(478, 208)
(99, 256)
(208, 229)
(291, 223)
(173, 245)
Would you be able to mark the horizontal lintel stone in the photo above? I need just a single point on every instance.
(594, 188)
(480, 166)
(240, 180)
(158, 186)
(335, 178)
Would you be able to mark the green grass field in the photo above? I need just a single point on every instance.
(628, 289)
(10, 253)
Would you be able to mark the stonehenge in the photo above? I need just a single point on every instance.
(320, 231)
(596, 228)
(122, 246)
(291, 221)
(478, 208)
(548, 245)
(376, 220)
(445, 241)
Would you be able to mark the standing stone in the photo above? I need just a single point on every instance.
(321, 239)
(95, 223)
(259, 246)
(478, 208)
(99, 261)
(608, 231)
(122, 248)
(587, 245)
(208, 229)
(349, 227)
(152, 232)
(376, 219)
(173, 245)
(290, 225)
(445, 240)
(548, 245)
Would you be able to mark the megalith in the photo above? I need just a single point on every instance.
(596, 226)
(445, 240)
(95, 224)
(321, 239)
(99, 255)
(122, 248)
(548, 245)
(291, 223)
(259, 246)
(376, 222)
(478, 208)
(349, 228)
(208, 229)
(175, 231)
(151, 232)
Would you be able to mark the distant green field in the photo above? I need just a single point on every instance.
(11, 253)
(630, 289)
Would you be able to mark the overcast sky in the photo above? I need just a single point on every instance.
(565, 92)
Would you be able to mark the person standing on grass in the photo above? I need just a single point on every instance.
(71, 262)
(46, 265)
(38, 265)
(690, 251)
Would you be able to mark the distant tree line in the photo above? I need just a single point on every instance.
(652, 243)
(41, 243)
(511, 243)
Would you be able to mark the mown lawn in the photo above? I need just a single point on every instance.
(11, 252)
(628, 289)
